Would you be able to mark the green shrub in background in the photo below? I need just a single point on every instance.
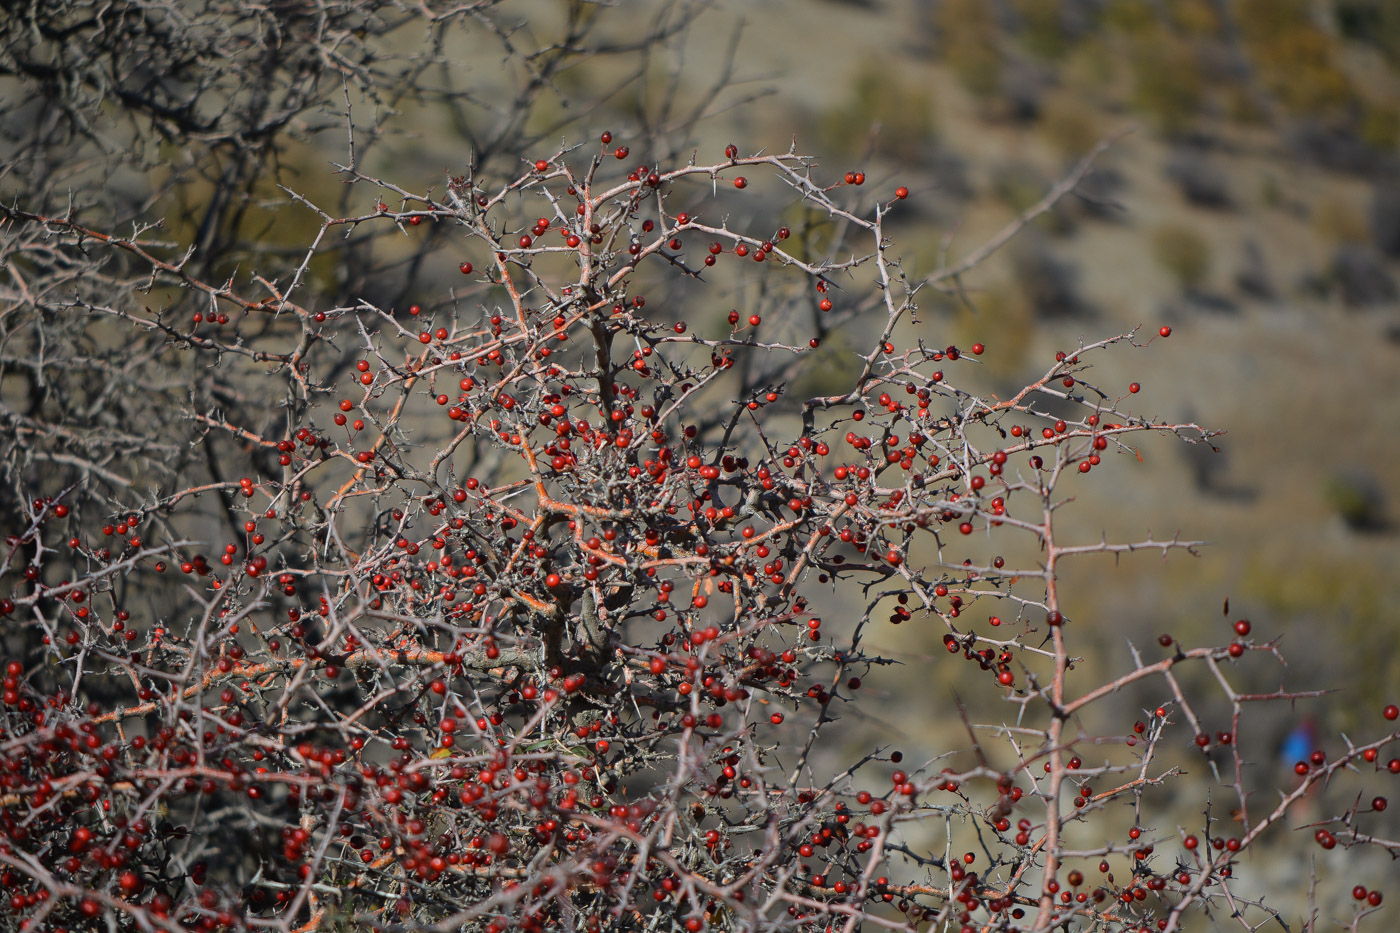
(1002, 311)
(970, 44)
(1380, 125)
(1183, 252)
(1042, 30)
(1167, 86)
(1338, 221)
(1294, 57)
(1196, 18)
(1357, 498)
(1373, 22)
(903, 111)
(1131, 17)
(1070, 124)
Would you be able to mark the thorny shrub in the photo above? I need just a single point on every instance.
(516, 615)
(562, 664)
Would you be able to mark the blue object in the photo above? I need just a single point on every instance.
(1299, 744)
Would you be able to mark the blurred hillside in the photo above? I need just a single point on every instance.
(1254, 207)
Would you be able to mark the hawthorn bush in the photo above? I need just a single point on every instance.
(510, 604)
